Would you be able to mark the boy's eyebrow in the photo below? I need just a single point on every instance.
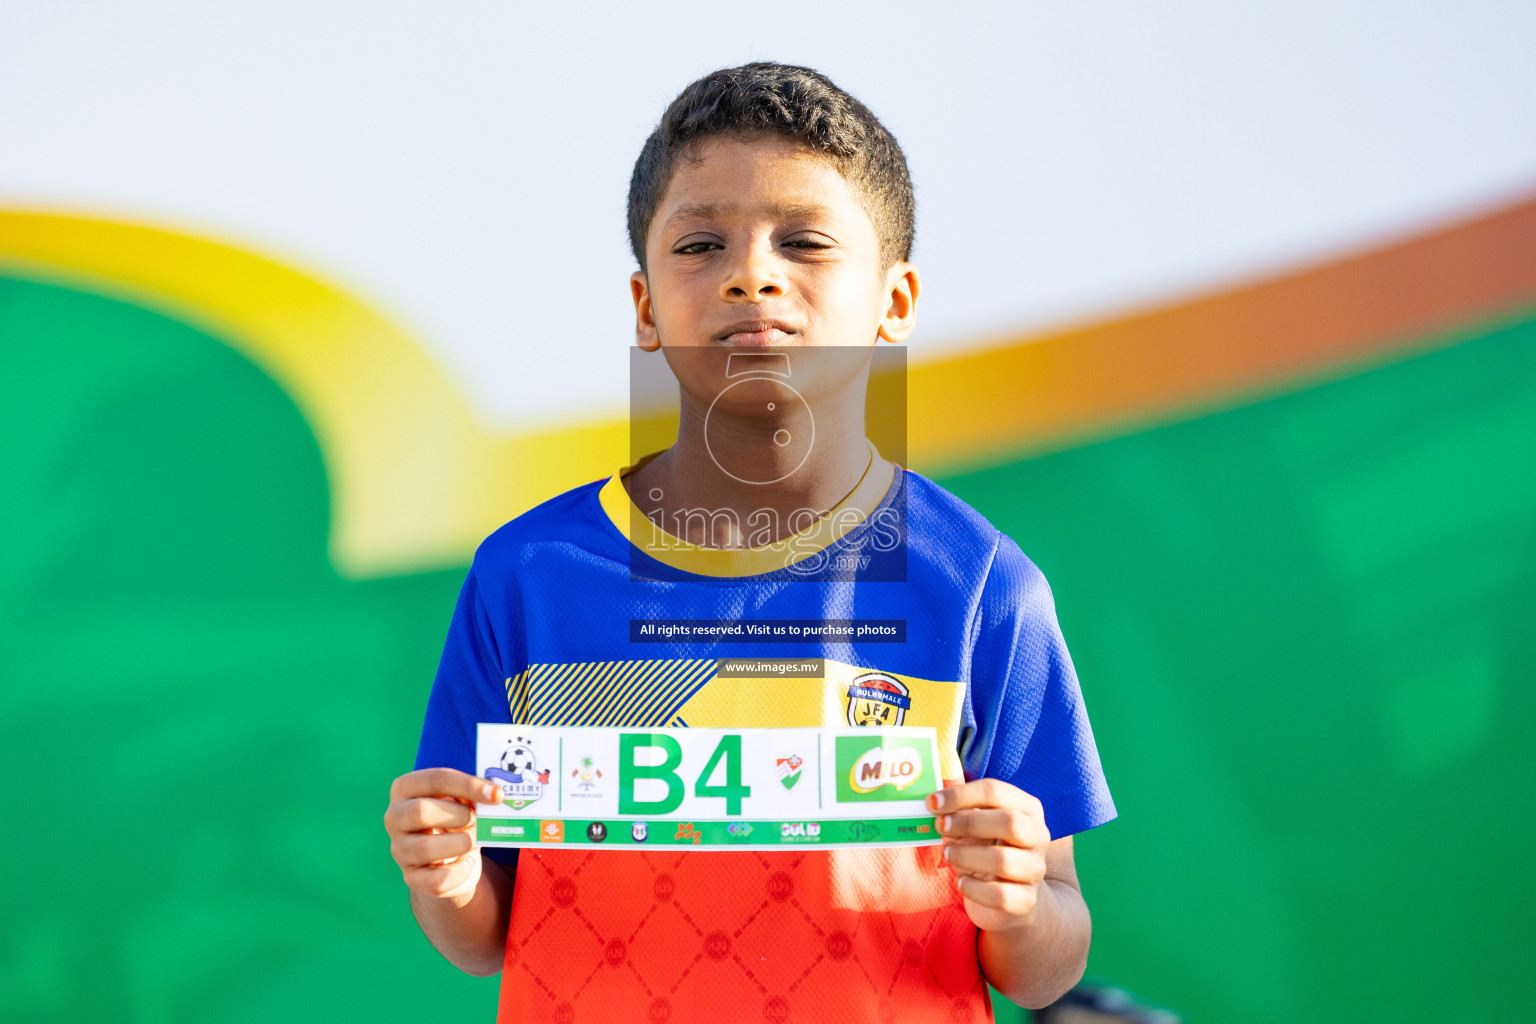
(709, 211)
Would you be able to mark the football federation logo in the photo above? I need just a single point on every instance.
(875, 698)
(518, 774)
(639, 832)
(582, 785)
(788, 769)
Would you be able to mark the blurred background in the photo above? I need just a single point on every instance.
(1229, 319)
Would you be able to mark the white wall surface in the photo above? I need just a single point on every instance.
(464, 166)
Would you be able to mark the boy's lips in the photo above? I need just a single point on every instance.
(752, 333)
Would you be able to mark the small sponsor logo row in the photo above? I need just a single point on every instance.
(714, 833)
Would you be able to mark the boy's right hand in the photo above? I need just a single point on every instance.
(431, 826)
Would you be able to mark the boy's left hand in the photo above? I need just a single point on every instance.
(995, 838)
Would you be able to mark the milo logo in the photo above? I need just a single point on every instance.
(889, 770)
(881, 766)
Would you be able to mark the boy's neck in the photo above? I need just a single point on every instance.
(686, 479)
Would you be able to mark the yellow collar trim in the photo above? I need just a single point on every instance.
(677, 553)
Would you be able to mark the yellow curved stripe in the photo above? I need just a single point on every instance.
(1024, 396)
(416, 481)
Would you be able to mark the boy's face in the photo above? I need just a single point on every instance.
(761, 242)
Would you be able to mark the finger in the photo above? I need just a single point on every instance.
(1009, 897)
(1001, 863)
(442, 880)
(1005, 825)
(445, 783)
(418, 849)
(981, 793)
(428, 813)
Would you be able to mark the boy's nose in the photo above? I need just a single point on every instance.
(753, 276)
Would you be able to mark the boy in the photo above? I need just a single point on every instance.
(771, 215)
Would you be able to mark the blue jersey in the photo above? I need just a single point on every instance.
(550, 628)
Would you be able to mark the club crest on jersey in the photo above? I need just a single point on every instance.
(518, 774)
(789, 769)
(875, 698)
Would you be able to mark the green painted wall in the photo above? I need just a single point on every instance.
(1303, 628)
(186, 678)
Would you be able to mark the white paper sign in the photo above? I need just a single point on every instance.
(745, 789)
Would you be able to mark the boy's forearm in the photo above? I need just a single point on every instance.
(1034, 965)
(473, 935)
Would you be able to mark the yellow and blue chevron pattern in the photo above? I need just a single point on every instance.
(629, 693)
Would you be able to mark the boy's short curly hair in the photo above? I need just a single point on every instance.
(787, 100)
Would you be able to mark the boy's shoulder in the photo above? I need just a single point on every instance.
(572, 516)
(939, 512)
(949, 537)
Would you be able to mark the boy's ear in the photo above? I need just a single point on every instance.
(645, 319)
(902, 287)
